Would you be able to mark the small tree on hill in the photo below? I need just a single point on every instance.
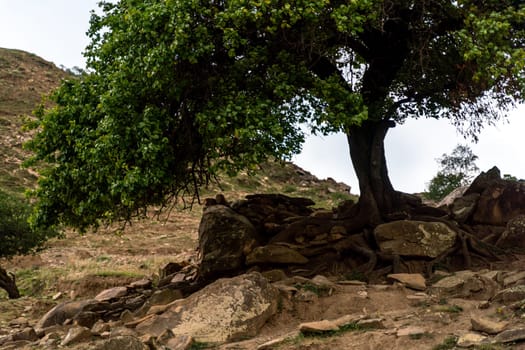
(180, 89)
(16, 236)
(457, 169)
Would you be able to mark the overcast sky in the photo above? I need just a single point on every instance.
(55, 30)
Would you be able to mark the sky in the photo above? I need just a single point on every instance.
(56, 31)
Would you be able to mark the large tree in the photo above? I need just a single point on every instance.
(177, 90)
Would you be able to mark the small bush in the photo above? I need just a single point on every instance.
(16, 234)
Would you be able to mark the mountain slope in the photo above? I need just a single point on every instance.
(24, 79)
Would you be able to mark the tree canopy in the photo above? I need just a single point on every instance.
(176, 90)
(456, 169)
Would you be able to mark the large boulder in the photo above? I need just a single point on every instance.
(499, 200)
(225, 238)
(63, 312)
(414, 238)
(228, 309)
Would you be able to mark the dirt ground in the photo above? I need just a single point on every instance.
(81, 266)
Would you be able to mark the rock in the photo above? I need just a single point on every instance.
(463, 207)
(122, 342)
(513, 277)
(122, 331)
(241, 305)
(19, 322)
(159, 297)
(323, 282)
(510, 335)
(466, 284)
(500, 201)
(275, 254)
(112, 293)
(410, 331)
(274, 275)
(371, 323)
(334, 325)
(509, 295)
(50, 340)
(180, 342)
(86, 318)
(27, 333)
(126, 316)
(484, 180)
(471, 339)
(514, 235)
(274, 343)
(487, 326)
(62, 312)
(418, 299)
(16, 345)
(144, 283)
(225, 238)
(318, 327)
(414, 238)
(411, 280)
(306, 296)
(76, 335)
(452, 196)
(100, 327)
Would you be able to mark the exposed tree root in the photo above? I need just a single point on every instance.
(469, 247)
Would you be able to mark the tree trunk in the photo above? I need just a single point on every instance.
(7, 282)
(378, 197)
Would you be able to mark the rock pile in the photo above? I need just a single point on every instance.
(231, 311)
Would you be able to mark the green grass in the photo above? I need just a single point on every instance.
(37, 282)
(118, 274)
(196, 345)
(418, 336)
(448, 344)
(310, 287)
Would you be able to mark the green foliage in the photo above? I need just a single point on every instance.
(178, 90)
(16, 235)
(457, 169)
(442, 184)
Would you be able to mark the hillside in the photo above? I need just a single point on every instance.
(24, 79)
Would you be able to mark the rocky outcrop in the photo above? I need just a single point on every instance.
(490, 200)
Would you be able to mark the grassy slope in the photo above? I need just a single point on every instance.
(24, 79)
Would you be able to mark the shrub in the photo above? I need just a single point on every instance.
(17, 236)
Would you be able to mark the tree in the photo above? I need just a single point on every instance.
(457, 169)
(16, 236)
(177, 90)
